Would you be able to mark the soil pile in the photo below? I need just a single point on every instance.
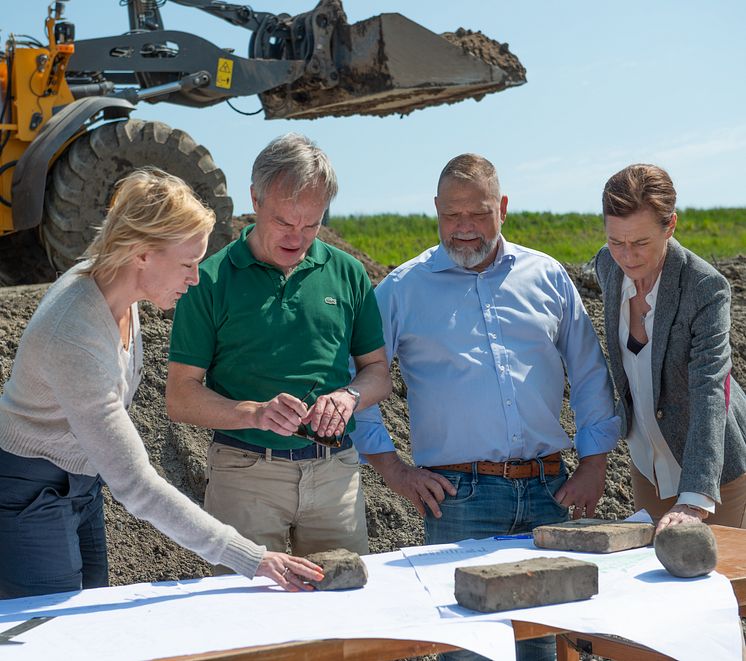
(488, 50)
(137, 552)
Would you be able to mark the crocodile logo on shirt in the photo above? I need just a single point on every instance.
(330, 300)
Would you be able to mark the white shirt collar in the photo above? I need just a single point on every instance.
(629, 290)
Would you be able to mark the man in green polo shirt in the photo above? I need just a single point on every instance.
(260, 352)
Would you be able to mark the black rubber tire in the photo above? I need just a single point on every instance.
(82, 180)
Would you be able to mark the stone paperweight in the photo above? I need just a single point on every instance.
(343, 570)
(687, 550)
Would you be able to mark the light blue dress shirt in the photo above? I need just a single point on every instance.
(484, 356)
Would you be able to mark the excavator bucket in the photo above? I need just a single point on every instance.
(389, 64)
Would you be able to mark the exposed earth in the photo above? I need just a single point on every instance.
(137, 552)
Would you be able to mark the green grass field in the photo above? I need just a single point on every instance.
(571, 238)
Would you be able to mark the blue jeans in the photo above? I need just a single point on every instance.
(487, 505)
(52, 534)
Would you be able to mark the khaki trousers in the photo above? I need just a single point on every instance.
(731, 512)
(298, 506)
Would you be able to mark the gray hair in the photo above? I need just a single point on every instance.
(296, 163)
(471, 167)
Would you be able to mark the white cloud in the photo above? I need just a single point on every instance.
(696, 147)
(575, 184)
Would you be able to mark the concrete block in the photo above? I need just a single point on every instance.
(343, 570)
(594, 535)
(534, 582)
(687, 550)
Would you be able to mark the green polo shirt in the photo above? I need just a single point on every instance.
(259, 333)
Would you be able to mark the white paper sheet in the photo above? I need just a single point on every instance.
(148, 621)
(637, 598)
(640, 516)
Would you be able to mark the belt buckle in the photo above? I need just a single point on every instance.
(510, 464)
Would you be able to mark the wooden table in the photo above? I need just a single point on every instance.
(732, 560)
(731, 563)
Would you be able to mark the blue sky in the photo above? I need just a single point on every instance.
(609, 84)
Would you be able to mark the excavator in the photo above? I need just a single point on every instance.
(67, 133)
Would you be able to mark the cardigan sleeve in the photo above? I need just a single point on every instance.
(88, 393)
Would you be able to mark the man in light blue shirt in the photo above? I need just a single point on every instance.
(484, 330)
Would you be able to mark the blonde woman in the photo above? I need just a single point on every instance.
(64, 428)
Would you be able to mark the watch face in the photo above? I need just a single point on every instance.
(355, 393)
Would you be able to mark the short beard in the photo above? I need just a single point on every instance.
(468, 257)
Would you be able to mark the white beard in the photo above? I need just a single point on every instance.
(469, 257)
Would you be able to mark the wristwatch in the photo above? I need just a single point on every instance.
(355, 393)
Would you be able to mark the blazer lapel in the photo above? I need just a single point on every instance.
(612, 303)
(666, 307)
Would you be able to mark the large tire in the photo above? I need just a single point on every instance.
(82, 181)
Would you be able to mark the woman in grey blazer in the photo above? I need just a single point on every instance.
(667, 317)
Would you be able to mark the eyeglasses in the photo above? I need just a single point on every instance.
(305, 431)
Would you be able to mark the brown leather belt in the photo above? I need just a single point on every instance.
(517, 469)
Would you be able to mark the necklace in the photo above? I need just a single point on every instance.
(127, 339)
(131, 345)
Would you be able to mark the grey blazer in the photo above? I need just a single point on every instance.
(691, 362)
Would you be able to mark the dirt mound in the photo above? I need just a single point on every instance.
(488, 50)
(137, 552)
(22, 260)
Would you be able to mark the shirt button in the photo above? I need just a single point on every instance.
(502, 368)
(659, 414)
(515, 438)
(508, 402)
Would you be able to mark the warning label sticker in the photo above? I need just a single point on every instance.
(225, 73)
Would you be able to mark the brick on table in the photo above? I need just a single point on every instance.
(594, 535)
(533, 582)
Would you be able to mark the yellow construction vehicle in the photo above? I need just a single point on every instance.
(66, 135)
